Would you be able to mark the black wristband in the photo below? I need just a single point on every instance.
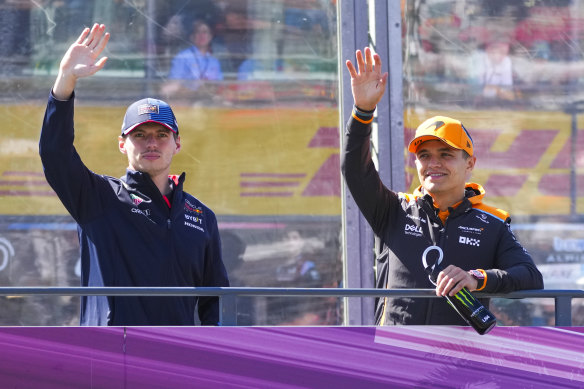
(364, 110)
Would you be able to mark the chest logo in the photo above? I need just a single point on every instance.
(412, 229)
(192, 208)
(469, 241)
(138, 200)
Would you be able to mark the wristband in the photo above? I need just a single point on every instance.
(362, 116)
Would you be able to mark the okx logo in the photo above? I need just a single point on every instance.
(469, 241)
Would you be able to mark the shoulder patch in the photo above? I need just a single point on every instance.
(493, 211)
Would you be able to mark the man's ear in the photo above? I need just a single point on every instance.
(122, 144)
(470, 165)
(177, 141)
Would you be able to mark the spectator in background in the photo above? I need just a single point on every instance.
(195, 63)
(492, 69)
(233, 38)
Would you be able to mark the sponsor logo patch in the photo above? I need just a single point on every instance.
(192, 208)
(136, 200)
(471, 230)
(145, 212)
(412, 229)
(469, 241)
(482, 217)
(147, 108)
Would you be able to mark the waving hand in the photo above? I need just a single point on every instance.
(81, 60)
(367, 82)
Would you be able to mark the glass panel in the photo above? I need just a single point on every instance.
(512, 72)
(254, 87)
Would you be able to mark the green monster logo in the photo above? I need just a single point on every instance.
(465, 298)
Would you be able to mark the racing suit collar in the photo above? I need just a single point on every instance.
(474, 194)
(141, 181)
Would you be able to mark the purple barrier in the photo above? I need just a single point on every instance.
(291, 357)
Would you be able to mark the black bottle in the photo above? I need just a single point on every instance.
(472, 311)
(463, 302)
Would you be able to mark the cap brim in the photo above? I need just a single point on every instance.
(132, 128)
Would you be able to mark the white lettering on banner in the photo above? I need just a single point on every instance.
(565, 258)
(562, 276)
(572, 245)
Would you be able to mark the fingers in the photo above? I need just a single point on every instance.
(91, 36)
(351, 69)
(95, 36)
(451, 280)
(368, 60)
(83, 35)
(102, 43)
(366, 63)
(101, 63)
(360, 61)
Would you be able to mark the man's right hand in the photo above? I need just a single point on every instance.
(81, 60)
(367, 83)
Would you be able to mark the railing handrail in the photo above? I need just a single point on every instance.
(265, 291)
(228, 295)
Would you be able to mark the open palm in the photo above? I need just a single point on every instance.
(81, 59)
(367, 82)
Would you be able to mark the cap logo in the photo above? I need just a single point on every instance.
(147, 108)
(436, 124)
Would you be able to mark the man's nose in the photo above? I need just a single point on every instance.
(434, 161)
(150, 140)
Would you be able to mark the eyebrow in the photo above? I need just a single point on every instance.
(440, 149)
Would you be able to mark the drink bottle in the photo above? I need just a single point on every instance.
(463, 302)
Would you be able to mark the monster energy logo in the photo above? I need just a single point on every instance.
(465, 297)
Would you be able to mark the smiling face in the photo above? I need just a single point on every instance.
(443, 171)
(150, 148)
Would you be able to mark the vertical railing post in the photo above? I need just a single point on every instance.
(563, 311)
(228, 309)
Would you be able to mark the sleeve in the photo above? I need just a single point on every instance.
(514, 267)
(74, 183)
(178, 67)
(219, 72)
(215, 274)
(376, 202)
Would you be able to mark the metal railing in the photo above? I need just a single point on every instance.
(228, 296)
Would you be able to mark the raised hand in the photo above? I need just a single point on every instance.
(81, 60)
(367, 82)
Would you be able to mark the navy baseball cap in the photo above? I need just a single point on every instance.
(149, 110)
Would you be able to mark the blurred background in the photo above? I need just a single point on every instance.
(255, 88)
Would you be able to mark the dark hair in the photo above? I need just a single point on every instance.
(198, 23)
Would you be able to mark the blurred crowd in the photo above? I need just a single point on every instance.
(505, 52)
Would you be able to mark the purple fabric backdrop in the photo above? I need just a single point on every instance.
(291, 357)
